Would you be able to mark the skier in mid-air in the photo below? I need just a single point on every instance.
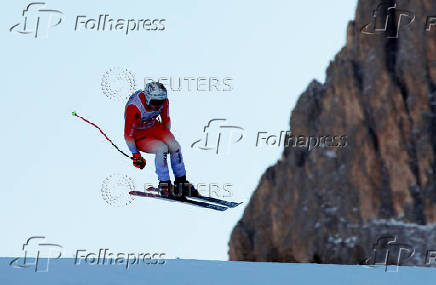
(144, 132)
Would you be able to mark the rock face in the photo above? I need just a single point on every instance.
(332, 204)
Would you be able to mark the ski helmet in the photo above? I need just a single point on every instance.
(155, 91)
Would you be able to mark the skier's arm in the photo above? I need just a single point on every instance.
(131, 120)
(165, 115)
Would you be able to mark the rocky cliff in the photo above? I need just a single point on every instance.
(332, 204)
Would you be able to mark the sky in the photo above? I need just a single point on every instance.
(53, 165)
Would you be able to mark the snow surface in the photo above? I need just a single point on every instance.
(189, 272)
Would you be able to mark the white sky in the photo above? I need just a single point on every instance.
(53, 164)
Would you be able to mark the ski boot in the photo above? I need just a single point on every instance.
(185, 187)
(167, 190)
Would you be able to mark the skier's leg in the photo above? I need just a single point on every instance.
(178, 167)
(160, 149)
(177, 164)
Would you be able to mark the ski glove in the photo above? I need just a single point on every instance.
(138, 161)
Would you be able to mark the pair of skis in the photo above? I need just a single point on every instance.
(201, 201)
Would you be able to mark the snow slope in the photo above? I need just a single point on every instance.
(191, 272)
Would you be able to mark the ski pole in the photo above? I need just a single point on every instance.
(91, 123)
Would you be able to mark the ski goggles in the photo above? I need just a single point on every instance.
(156, 102)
